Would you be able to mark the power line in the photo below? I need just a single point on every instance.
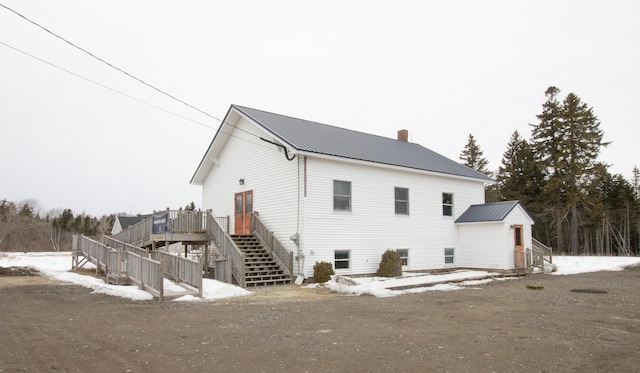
(109, 64)
(104, 86)
(261, 144)
(127, 74)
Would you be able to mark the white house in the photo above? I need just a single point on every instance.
(341, 196)
(123, 222)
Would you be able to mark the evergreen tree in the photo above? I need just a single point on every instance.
(635, 181)
(472, 156)
(519, 176)
(568, 140)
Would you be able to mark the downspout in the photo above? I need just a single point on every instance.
(296, 237)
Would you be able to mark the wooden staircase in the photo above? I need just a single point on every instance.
(261, 268)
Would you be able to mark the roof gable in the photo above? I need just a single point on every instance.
(313, 137)
(487, 212)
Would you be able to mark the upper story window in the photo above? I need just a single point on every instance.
(341, 195)
(447, 204)
(402, 201)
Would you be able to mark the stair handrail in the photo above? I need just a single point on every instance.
(271, 243)
(546, 250)
(229, 248)
(137, 233)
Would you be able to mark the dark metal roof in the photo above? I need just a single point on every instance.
(127, 221)
(313, 137)
(496, 211)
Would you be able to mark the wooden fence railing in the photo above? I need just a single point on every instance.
(146, 273)
(230, 251)
(546, 251)
(102, 256)
(137, 234)
(180, 270)
(522, 260)
(121, 260)
(178, 221)
(284, 256)
(110, 241)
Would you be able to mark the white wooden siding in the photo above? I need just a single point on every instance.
(372, 226)
(265, 171)
(490, 245)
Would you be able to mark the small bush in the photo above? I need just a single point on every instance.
(322, 272)
(535, 287)
(390, 265)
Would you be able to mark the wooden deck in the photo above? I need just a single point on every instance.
(230, 263)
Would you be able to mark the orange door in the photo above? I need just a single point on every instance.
(243, 207)
(518, 245)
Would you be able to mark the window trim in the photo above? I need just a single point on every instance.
(336, 260)
(396, 201)
(350, 198)
(449, 205)
(452, 256)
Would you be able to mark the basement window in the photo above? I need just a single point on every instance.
(342, 259)
(449, 256)
(404, 256)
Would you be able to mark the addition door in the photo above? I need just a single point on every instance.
(518, 245)
(243, 203)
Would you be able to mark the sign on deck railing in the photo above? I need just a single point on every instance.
(159, 224)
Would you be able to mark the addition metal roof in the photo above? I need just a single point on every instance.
(495, 211)
(313, 137)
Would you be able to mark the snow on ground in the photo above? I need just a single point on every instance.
(57, 266)
(464, 279)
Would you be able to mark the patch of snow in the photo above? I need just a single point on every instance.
(570, 265)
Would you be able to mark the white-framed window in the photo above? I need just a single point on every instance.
(402, 200)
(404, 256)
(342, 259)
(449, 256)
(341, 195)
(447, 204)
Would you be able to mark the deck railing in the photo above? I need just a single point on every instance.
(178, 221)
(546, 251)
(106, 259)
(229, 249)
(281, 254)
(180, 270)
(522, 260)
(146, 273)
(116, 244)
(137, 234)
(184, 221)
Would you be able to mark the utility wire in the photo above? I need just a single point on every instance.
(123, 72)
(261, 144)
(104, 86)
(109, 64)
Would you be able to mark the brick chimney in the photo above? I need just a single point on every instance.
(403, 135)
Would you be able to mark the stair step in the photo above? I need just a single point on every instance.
(261, 268)
(265, 272)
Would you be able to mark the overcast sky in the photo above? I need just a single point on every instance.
(442, 70)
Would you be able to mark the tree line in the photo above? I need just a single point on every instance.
(579, 207)
(26, 226)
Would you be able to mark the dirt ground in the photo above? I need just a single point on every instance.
(578, 323)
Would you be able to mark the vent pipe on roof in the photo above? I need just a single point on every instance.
(403, 135)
